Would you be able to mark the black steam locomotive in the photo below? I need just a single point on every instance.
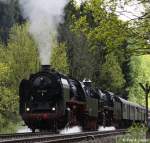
(50, 101)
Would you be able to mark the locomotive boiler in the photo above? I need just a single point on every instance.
(50, 101)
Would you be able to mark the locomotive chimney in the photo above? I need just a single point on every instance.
(45, 67)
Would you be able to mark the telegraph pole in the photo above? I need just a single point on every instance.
(146, 89)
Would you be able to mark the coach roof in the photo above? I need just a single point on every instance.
(130, 103)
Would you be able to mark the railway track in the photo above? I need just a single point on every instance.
(22, 135)
(57, 138)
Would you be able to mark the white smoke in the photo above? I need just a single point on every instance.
(74, 129)
(44, 17)
(111, 128)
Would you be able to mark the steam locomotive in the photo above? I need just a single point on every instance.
(51, 101)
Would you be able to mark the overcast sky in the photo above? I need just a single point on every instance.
(131, 11)
(79, 1)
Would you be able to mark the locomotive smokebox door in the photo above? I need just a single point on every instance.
(92, 106)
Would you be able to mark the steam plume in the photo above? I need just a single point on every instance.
(44, 17)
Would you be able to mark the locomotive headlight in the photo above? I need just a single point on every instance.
(53, 109)
(28, 109)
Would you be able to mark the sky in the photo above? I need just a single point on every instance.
(79, 1)
(130, 11)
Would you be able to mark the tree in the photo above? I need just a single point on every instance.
(139, 24)
(8, 104)
(112, 76)
(9, 15)
(17, 61)
(23, 55)
(94, 34)
(139, 72)
(59, 58)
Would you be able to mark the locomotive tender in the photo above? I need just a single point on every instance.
(50, 101)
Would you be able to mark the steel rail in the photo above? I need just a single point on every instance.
(66, 138)
(22, 135)
(85, 137)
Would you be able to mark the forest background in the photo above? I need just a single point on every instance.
(92, 43)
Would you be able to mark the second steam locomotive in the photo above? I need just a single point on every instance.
(50, 101)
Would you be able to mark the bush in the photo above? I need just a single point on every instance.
(136, 134)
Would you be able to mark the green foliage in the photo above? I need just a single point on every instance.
(95, 37)
(17, 61)
(109, 74)
(59, 58)
(7, 101)
(8, 104)
(23, 55)
(100, 26)
(139, 25)
(137, 134)
(139, 72)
